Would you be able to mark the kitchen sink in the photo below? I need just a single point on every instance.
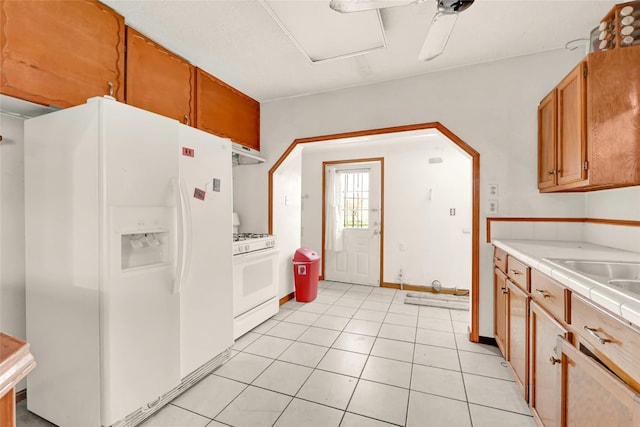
(610, 270)
(629, 285)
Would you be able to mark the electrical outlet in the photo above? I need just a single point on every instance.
(492, 207)
(452, 211)
(493, 190)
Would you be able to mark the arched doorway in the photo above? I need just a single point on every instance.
(475, 161)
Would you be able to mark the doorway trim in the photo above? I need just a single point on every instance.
(474, 333)
(324, 201)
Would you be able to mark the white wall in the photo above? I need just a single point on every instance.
(621, 203)
(12, 275)
(429, 235)
(12, 291)
(492, 107)
(287, 196)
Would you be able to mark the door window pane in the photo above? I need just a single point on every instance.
(355, 199)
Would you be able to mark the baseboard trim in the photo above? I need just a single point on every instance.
(21, 395)
(286, 298)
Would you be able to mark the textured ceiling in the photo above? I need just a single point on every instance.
(240, 43)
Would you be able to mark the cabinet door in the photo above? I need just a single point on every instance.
(500, 310)
(517, 335)
(61, 52)
(226, 112)
(614, 116)
(545, 367)
(158, 80)
(572, 127)
(591, 396)
(547, 148)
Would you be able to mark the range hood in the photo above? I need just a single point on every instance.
(244, 156)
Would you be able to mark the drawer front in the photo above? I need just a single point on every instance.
(519, 273)
(549, 294)
(611, 339)
(500, 259)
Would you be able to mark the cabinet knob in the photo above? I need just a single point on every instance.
(554, 360)
(504, 290)
(110, 84)
(515, 272)
(551, 172)
(594, 333)
(544, 293)
(497, 258)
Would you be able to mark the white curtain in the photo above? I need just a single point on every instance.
(334, 226)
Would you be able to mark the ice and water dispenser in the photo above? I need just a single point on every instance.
(140, 250)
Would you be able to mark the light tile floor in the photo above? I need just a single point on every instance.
(357, 356)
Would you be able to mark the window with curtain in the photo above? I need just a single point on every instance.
(355, 198)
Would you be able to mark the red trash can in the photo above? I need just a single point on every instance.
(306, 268)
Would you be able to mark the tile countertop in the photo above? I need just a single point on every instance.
(535, 253)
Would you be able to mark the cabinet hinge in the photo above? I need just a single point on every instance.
(585, 166)
(584, 72)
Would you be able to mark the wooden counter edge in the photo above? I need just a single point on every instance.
(16, 361)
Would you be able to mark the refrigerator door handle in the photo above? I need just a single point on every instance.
(186, 234)
(179, 252)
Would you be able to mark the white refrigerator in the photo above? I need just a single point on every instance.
(128, 261)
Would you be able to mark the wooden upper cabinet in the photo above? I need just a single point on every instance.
(158, 80)
(613, 117)
(597, 121)
(547, 131)
(61, 52)
(572, 150)
(562, 134)
(226, 112)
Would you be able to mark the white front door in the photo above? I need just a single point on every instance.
(353, 224)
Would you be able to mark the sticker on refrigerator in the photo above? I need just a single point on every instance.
(216, 185)
(199, 194)
(189, 152)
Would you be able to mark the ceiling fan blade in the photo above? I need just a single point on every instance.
(346, 6)
(438, 35)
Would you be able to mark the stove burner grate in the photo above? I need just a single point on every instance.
(238, 237)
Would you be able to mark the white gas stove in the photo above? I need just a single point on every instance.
(251, 242)
(255, 280)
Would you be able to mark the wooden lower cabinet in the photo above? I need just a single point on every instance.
(518, 335)
(545, 368)
(500, 310)
(591, 395)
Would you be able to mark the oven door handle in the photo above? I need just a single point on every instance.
(255, 255)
